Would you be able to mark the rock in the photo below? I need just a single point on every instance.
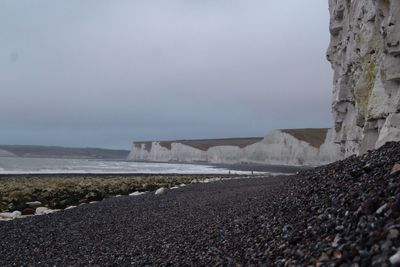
(41, 210)
(174, 187)
(396, 168)
(28, 211)
(161, 190)
(182, 185)
(337, 254)
(136, 193)
(381, 208)
(395, 259)
(10, 215)
(49, 211)
(336, 241)
(324, 257)
(393, 234)
(34, 204)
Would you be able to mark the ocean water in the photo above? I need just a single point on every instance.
(10, 165)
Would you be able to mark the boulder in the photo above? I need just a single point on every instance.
(161, 190)
(10, 215)
(34, 204)
(41, 210)
(28, 211)
(136, 193)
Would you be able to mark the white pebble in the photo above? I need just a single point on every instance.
(381, 209)
(395, 259)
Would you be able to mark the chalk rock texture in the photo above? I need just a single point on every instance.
(365, 55)
(295, 147)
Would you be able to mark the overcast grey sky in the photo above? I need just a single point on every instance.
(106, 73)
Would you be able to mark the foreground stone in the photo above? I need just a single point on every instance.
(136, 193)
(161, 190)
(10, 215)
(34, 204)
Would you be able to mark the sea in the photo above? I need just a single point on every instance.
(16, 165)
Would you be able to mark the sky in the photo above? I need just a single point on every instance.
(100, 73)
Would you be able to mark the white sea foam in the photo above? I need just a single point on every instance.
(41, 165)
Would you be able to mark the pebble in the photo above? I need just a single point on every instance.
(396, 168)
(393, 234)
(336, 241)
(323, 257)
(395, 259)
(381, 209)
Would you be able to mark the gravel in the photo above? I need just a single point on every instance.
(343, 214)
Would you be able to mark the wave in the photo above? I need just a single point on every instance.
(59, 166)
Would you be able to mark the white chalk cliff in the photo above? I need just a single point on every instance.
(280, 147)
(365, 55)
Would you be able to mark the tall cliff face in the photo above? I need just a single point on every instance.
(365, 56)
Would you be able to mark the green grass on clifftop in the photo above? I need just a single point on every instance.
(313, 136)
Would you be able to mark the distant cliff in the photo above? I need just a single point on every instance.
(281, 147)
(365, 55)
